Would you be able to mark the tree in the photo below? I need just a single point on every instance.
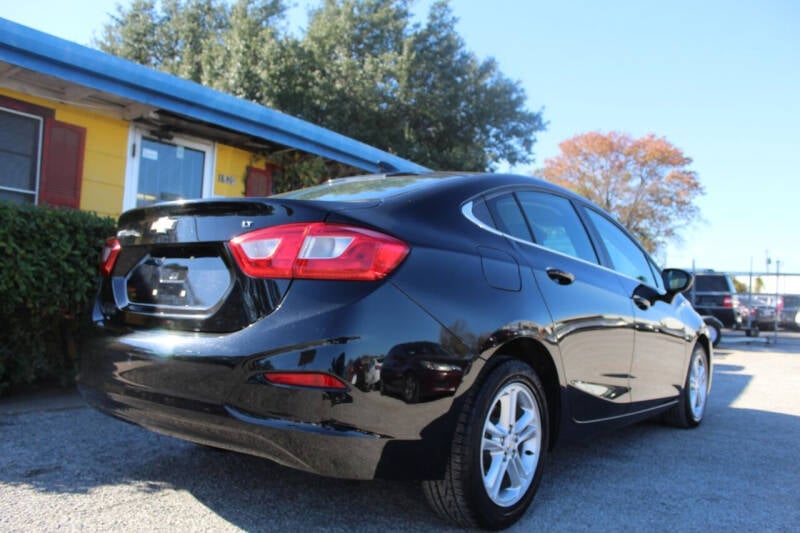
(645, 183)
(362, 68)
(739, 286)
(219, 44)
(759, 285)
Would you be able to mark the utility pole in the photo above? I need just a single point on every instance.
(777, 295)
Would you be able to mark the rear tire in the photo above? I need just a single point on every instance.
(690, 409)
(498, 451)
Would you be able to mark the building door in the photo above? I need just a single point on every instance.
(163, 170)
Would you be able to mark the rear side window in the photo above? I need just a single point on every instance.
(556, 225)
(626, 256)
(508, 217)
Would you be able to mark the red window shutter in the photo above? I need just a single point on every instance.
(259, 181)
(62, 164)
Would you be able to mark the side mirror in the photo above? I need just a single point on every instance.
(677, 280)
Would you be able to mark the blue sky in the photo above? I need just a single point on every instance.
(718, 79)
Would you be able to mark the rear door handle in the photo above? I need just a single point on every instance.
(559, 276)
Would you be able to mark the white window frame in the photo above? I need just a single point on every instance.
(135, 135)
(38, 155)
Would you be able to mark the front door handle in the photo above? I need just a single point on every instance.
(559, 276)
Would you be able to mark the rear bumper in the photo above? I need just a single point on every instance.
(210, 389)
(309, 447)
(730, 318)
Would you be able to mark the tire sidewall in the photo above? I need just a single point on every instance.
(491, 515)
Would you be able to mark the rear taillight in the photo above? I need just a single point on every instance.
(727, 301)
(317, 250)
(317, 380)
(109, 256)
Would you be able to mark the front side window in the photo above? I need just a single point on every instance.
(20, 140)
(626, 257)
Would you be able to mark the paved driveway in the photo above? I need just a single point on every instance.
(77, 469)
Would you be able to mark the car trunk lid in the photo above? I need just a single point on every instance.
(175, 269)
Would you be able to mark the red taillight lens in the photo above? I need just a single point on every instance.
(306, 379)
(317, 250)
(108, 257)
(727, 301)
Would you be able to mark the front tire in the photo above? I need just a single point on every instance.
(714, 327)
(498, 451)
(691, 408)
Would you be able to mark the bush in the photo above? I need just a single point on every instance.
(48, 279)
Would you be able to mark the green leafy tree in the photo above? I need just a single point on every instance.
(362, 68)
(740, 286)
(131, 33)
(646, 183)
(219, 44)
(758, 285)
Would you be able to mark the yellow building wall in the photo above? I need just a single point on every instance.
(105, 158)
(231, 170)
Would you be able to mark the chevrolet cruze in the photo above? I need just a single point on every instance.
(452, 328)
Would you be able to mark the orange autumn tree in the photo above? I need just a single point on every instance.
(645, 183)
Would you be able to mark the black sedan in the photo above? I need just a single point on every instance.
(508, 314)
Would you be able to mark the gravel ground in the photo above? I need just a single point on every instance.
(67, 467)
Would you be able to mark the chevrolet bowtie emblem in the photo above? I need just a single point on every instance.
(163, 225)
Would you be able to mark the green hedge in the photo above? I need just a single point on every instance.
(48, 279)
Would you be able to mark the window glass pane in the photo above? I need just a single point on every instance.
(481, 211)
(626, 257)
(169, 172)
(509, 218)
(711, 283)
(656, 273)
(360, 189)
(19, 151)
(16, 197)
(556, 225)
(18, 133)
(17, 171)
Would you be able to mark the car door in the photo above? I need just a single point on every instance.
(661, 339)
(591, 317)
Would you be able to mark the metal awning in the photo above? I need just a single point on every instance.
(43, 65)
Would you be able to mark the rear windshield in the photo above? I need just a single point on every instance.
(791, 300)
(705, 283)
(360, 189)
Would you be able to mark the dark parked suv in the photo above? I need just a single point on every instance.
(714, 294)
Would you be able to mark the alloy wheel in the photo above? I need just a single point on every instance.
(511, 444)
(698, 386)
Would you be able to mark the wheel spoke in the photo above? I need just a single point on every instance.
(508, 409)
(528, 433)
(494, 430)
(524, 422)
(493, 479)
(492, 446)
(516, 472)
